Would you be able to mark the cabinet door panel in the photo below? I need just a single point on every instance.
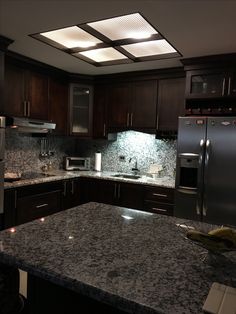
(171, 101)
(131, 196)
(58, 105)
(14, 88)
(38, 96)
(100, 112)
(144, 105)
(36, 206)
(81, 101)
(119, 99)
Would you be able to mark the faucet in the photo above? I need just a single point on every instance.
(135, 168)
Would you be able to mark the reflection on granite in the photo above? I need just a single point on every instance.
(104, 175)
(135, 261)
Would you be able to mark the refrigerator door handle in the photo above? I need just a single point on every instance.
(204, 207)
(199, 181)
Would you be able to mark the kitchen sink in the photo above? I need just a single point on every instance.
(127, 176)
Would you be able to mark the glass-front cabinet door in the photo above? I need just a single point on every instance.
(231, 90)
(207, 85)
(81, 101)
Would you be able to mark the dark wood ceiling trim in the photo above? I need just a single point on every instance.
(78, 49)
(95, 33)
(128, 41)
(81, 57)
(5, 42)
(126, 53)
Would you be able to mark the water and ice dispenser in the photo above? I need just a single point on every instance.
(188, 170)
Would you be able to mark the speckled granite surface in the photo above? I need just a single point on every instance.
(135, 261)
(105, 175)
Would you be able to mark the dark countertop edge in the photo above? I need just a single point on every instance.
(61, 177)
(97, 294)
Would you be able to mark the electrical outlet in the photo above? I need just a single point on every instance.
(121, 158)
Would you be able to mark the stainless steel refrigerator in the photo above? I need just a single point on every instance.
(2, 151)
(206, 169)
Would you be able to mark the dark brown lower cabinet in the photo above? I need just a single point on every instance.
(113, 192)
(153, 199)
(71, 195)
(159, 200)
(27, 203)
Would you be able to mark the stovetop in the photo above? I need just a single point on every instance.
(28, 176)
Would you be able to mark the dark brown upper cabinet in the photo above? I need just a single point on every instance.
(118, 105)
(81, 110)
(132, 106)
(100, 127)
(26, 93)
(144, 105)
(171, 103)
(59, 104)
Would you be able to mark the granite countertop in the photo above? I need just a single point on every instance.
(105, 175)
(136, 261)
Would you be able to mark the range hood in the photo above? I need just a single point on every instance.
(27, 125)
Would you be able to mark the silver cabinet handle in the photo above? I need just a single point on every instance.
(161, 195)
(28, 109)
(15, 198)
(72, 187)
(127, 124)
(25, 108)
(64, 188)
(42, 205)
(104, 129)
(131, 119)
(188, 191)
(223, 87)
(229, 86)
(115, 187)
(159, 209)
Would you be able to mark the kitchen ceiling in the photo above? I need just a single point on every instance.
(195, 28)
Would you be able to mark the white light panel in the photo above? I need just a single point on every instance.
(72, 37)
(102, 55)
(149, 48)
(123, 27)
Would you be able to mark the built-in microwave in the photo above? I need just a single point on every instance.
(76, 163)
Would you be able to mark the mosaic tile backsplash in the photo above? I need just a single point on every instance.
(22, 151)
(130, 144)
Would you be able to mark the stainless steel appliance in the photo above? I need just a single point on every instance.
(77, 163)
(27, 125)
(2, 147)
(206, 169)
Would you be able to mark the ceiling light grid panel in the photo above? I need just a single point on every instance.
(117, 40)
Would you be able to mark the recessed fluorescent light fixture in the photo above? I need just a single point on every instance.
(102, 55)
(72, 37)
(122, 39)
(123, 27)
(149, 48)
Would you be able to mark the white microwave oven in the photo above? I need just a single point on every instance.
(77, 163)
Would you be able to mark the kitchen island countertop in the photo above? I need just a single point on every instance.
(135, 261)
(103, 175)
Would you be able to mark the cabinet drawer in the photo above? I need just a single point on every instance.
(36, 206)
(159, 208)
(163, 195)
